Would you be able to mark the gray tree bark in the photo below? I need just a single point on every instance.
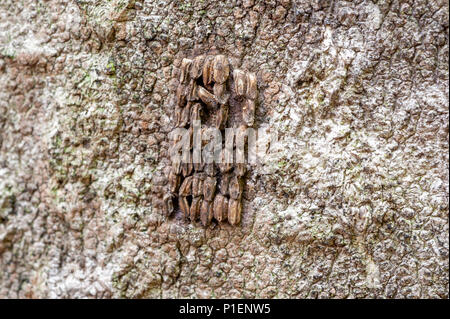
(354, 205)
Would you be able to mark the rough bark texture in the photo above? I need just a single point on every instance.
(355, 205)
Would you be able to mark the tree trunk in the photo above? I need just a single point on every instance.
(353, 204)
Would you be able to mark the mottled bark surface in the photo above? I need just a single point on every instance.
(355, 205)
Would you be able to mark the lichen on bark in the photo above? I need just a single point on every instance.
(354, 205)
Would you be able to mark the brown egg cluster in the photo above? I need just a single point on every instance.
(208, 93)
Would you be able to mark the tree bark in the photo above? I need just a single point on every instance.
(354, 204)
